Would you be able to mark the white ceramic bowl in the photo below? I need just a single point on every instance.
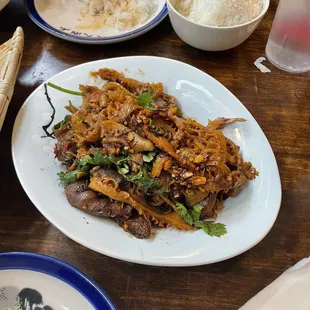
(211, 38)
(3, 3)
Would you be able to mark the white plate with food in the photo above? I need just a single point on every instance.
(132, 156)
(96, 21)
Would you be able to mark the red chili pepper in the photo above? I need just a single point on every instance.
(65, 147)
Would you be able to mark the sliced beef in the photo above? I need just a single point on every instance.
(81, 197)
(208, 206)
(139, 227)
(109, 173)
(65, 148)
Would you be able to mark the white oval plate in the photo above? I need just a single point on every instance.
(60, 18)
(248, 217)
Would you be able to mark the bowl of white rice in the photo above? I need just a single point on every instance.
(216, 25)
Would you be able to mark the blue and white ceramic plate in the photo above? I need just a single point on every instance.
(62, 18)
(37, 282)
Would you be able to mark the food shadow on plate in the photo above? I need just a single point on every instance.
(26, 299)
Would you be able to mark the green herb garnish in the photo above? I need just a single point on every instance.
(191, 217)
(148, 157)
(120, 158)
(97, 159)
(212, 229)
(146, 183)
(142, 178)
(195, 212)
(67, 178)
(135, 177)
(62, 123)
(123, 171)
(162, 190)
(71, 108)
(184, 214)
(146, 100)
(87, 162)
(64, 90)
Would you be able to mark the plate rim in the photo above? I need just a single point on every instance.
(39, 21)
(153, 263)
(37, 262)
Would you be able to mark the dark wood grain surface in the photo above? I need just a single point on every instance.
(279, 101)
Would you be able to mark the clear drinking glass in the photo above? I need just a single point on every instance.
(288, 46)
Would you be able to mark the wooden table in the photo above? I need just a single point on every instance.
(279, 101)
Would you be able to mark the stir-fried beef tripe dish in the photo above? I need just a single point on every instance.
(131, 156)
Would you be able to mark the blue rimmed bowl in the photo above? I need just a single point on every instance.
(56, 17)
(34, 281)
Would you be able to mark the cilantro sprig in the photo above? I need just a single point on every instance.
(212, 229)
(145, 99)
(184, 214)
(97, 159)
(67, 178)
(192, 216)
(142, 179)
(149, 157)
(147, 183)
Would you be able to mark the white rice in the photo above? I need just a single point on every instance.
(219, 13)
(121, 15)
